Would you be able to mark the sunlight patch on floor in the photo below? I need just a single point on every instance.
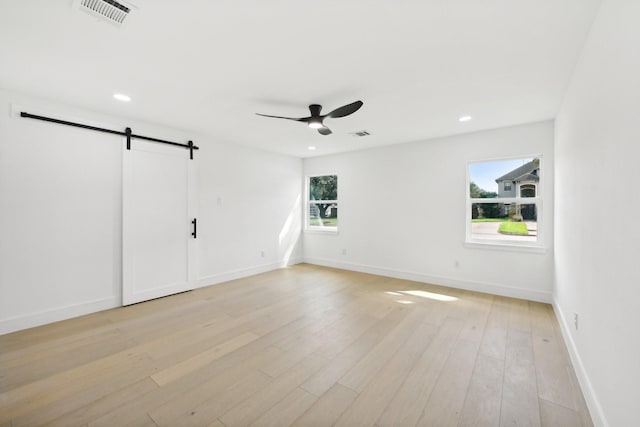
(430, 295)
(421, 294)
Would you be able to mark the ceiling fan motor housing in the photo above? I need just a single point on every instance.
(315, 109)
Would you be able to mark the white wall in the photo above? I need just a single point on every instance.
(402, 213)
(597, 268)
(249, 204)
(60, 219)
(61, 211)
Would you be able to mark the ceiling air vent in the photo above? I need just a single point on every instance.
(360, 133)
(108, 10)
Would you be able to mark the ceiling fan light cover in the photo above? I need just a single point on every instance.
(315, 123)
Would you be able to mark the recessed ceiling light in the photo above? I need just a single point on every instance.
(311, 147)
(122, 97)
(464, 118)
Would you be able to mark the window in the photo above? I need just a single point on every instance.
(503, 202)
(528, 190)
(322, 212)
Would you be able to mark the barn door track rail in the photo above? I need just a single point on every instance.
(127, 133)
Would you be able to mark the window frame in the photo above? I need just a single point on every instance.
(308, 202)
(538, 201)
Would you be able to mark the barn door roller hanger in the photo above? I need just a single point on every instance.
(127, 133)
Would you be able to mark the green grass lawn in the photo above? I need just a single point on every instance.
(518, 228)
(327, 222)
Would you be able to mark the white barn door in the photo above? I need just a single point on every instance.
(159, 199)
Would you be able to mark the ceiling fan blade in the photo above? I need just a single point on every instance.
(345, 110)
(325, 131)
(303, 119)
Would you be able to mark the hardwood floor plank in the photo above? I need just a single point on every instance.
(494, 342)
(475, 323)
(407, 405)
(24, 370)
(553, 379)
(366, 314)
(552, 415)
(188, 392)
(541, 320)
(285, 412)
(32, 353)
(367, 367)
(18, 343)
(327, 377)
(250, 410)
(499, 314)
(138, 420)
(328, 408)
(96, 409)
(484, 394)
(88, 394)
(206, 402)
(194, 363)
(519, 390)
(29, 397)
(447, 397)
(374, 397)
(311, 338)
(519, 317)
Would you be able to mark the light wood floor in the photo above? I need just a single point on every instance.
(304, 346)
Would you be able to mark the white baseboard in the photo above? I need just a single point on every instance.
(244, 272)
(31, 320)
(595, 409)
(489, 288)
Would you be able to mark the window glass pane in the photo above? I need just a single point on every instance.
(323, 187)
(504, 178)
(504, 221)
(323, 214)
(314, 215)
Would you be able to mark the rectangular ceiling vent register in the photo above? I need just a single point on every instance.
(108, 10)
(360, 133)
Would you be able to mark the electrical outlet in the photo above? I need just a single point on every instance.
(575, 320)
(344, 252)
(262, 254)
(456, 263)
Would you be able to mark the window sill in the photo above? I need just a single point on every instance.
(509, 247)
(330, 231)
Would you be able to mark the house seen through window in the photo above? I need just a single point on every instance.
(322, 211)
(503, 201)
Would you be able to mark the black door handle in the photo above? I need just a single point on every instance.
(195, 230)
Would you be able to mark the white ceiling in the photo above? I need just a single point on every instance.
(209, 66)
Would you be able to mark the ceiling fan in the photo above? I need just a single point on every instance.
(315, 121)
